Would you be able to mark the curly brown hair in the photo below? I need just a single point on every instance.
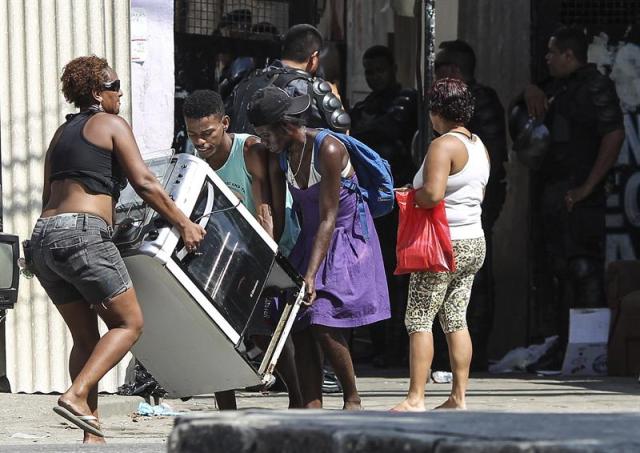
(81, 76)
(452, 100)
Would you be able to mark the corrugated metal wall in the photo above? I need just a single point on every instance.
(37, 37)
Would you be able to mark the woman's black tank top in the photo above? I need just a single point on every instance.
(74, 157)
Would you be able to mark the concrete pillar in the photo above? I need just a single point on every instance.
(498, 30)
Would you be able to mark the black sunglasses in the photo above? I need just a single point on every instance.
(114, 85)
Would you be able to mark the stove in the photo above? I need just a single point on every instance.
(197, 306)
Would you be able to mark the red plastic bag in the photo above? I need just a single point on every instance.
(424, 241)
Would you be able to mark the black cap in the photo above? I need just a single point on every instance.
(269, 105)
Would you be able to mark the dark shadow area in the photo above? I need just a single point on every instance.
(584, 385)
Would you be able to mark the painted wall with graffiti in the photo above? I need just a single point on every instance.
(620, 59)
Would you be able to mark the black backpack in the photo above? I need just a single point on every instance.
(236, 105)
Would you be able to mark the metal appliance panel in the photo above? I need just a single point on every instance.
(197, 306)
(232, 262)
(181, 345)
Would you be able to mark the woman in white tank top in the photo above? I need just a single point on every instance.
(456, 170)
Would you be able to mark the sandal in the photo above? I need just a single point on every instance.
(87, 423)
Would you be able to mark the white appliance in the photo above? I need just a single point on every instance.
(197, 306)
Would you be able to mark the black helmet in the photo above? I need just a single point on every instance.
(530, 136)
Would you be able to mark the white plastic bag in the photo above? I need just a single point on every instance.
(520, 358)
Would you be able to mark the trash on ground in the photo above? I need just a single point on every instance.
(28, 436)
(442, 377)
(519, 359)
(161, 409)
(144, 384)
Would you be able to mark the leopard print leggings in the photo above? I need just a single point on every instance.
(445, 293)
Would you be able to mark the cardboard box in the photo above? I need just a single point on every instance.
(586, 353)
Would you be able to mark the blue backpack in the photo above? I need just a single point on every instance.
(375, 183)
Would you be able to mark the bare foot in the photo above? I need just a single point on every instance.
(452, 403)
(78, 408)
(74, 404)
(407, 406)
(91, 439)
(352, 406)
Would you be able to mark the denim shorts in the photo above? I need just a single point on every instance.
(75, 260)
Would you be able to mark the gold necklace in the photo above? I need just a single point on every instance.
(304, 145)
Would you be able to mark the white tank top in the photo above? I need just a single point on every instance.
(314, 175)
(465, 190)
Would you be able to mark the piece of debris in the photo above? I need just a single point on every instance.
(28, 436)
(160, 409)
(442, 377)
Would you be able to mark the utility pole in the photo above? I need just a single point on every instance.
(426, 60)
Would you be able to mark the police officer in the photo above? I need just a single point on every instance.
(296, 74)
(581, 110)
(386, 120)
(456, 59)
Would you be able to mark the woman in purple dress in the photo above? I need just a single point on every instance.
(343, 271)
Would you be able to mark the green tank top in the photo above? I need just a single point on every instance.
(235, 175)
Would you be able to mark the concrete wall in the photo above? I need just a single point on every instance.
(372, 22)
(37, 37)
(369, 22)
(499, 32)
(446, 20)
(152, 74)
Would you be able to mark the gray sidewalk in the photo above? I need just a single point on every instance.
(28, 419)
(261, 431)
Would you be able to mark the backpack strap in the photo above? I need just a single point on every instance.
(284, 76)
(317, 143)
(348, 184)
(362, 213)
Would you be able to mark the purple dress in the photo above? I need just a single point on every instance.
(351, 286)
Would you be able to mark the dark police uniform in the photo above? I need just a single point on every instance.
(386, 121)
(326, 109)
(585, 108)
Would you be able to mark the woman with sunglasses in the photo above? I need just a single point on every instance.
(88, 162)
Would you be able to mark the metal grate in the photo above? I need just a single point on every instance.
(600, 12)
(233, 18)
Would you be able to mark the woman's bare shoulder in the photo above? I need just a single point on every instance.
(110, 120)
(332, 145)
(445, 144)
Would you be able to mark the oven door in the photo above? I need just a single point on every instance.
(233, 261)
(197, 306)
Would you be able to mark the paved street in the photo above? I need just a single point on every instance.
(29, 423)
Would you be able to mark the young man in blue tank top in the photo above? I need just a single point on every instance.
(241, 161)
